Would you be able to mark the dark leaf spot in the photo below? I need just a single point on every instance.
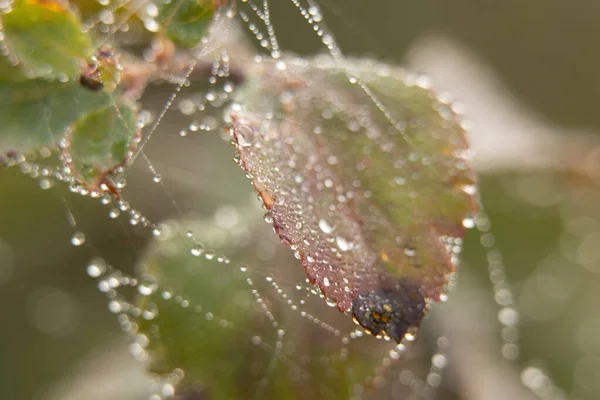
(391, 312)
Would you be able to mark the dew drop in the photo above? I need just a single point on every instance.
(325, 227)
(158, 230)
(210, 254)
(343, 244)
(244, 135)
(148, 285)
(468, 222)
(115, 306)
(96, 267)
(197, 250)
(508, 316)
(439, 360)
(78, 239)
(268, 218)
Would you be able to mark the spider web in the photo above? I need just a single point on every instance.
(289, 307)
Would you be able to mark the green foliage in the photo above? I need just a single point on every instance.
(100, 142)
(54, 90)
(46, 38)
(199, 315)
(185, 21)
(37, 113)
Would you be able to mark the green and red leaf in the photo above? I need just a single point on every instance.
(365, 174)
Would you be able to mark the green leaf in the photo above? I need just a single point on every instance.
(199, 314)
(186, 21)
(103, 71)
(100, 142)
(36, 113)
(10, 72)
(365, 172)
(46, 38)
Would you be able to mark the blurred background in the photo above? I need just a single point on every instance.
(527, 74)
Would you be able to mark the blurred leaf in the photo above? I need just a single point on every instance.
(373, 203)
(236, 341)
(10, 72)
(100, 142)
(186, 21)
(103, 71)
(36, 113)
(46, 38)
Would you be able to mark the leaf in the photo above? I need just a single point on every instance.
(186, 21)
(100, 142)
(200, 315)
(103, 71)
(192, 337)
(36, 113)
(46, 38)
(10, 72)
(369, 184)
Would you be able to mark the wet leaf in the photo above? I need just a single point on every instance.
(190, 336)
(36, 113)
(186, 21)
(46, 38)
(100, 142)
(103, 71)
(370, 184)
(234, 340)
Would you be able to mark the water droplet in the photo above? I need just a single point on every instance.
(150, 312)
(439, 360)
(158, 230)
(210, 254)
(343, 244)
(114, 213)
(148, 285)
(508, 316)
(96, 267)
(78, 239)
(244, 135)
(325, 227)
(268, 218)
(157, 178)
(468, 222)
(197, 250)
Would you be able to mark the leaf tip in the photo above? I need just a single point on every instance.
(390, 312)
